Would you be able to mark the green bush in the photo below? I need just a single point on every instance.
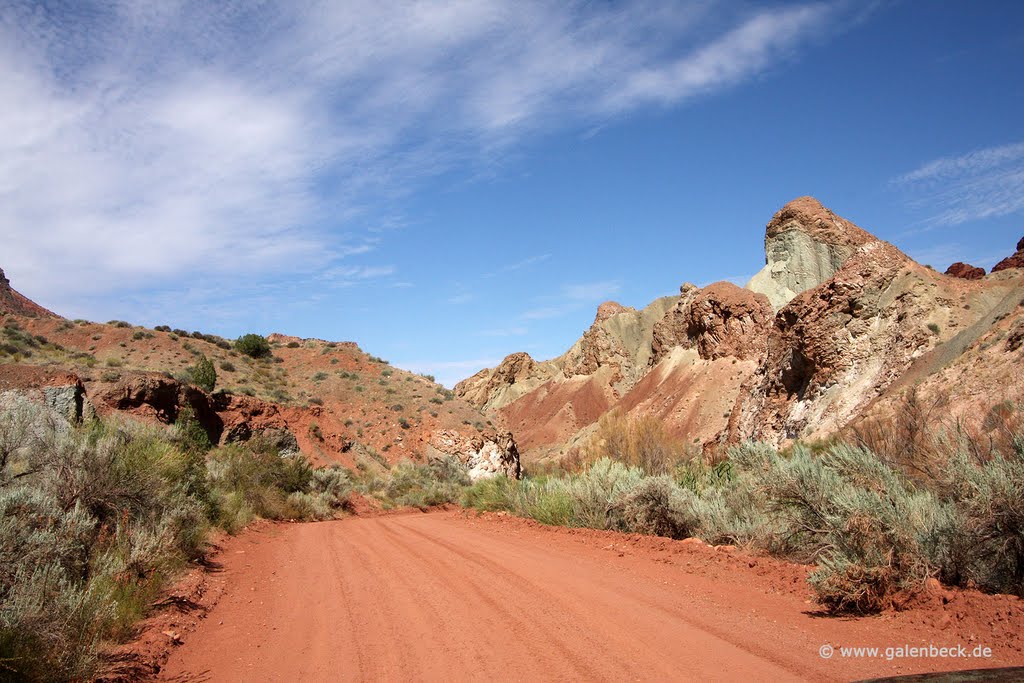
(253, 345)
(93, 521)
(204, 374)
(422, 485)
(656, 506)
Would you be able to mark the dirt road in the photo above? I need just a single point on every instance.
(449, 596)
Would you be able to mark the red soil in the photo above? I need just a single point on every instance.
(455, 596)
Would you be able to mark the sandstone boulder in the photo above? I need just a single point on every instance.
(492, 388)
(836, 347)
(965, 271)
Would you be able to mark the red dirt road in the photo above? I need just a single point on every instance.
(451, 596)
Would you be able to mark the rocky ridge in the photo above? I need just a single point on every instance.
(1015, 260)
(836, 322)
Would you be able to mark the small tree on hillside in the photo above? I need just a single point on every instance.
(204, 374)
(253, 345)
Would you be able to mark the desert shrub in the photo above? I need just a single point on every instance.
(583, 500)
(253, 345)
(491, 494)
(640, 442)
(292, 345)
(252, 482)
(422, 485)
(320, 377)
(906, 439)
(595, 490)
(874, 533)
(987, 547)
(204, 375)
(227, 366)
(93, 521)
(327, 492)
(656, 506)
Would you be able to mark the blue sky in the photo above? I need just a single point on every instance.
(446, 183)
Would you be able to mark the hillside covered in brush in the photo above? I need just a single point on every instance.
(330, 400)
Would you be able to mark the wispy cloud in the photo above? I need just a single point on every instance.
(941, 255)
(150, 139)
(519, 265)
(985, 183)
(573, 297)
(504, 332)
(344, 276)
(461, 298)
(592, 291)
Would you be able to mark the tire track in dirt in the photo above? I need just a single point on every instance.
(448, 596)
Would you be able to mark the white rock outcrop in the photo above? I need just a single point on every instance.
(805, 244)
(484, 457)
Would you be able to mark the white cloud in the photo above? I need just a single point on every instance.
(985, 183)
(155, 142)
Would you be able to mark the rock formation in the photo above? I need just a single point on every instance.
(834, 347)
(836, 322)
(1014, 261)
(485, 457)
(62, 392)
(805, 244)
(719, 320)
(493, 388)
(965, 271)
